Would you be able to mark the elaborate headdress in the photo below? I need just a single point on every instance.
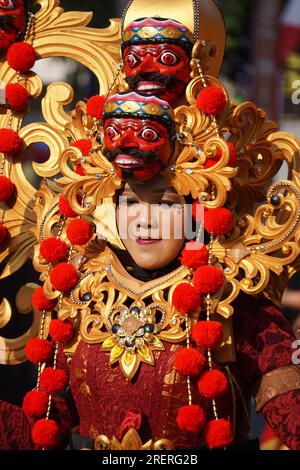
(226, 155)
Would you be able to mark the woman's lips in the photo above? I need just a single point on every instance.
(147, 241)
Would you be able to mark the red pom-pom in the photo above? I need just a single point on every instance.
(53, 250)
(208, 279)
(6, 188)
(211, 101)
(63, 277)
(84, 145)
(53, 380)
(218, 433)
(79, 231)
(17, 97)
(191, 418)
(189, 361)
(218, 221)
(213, 384)
(3, 234)
(45, 434)
(21, 57)
(10, 142)
(95, 106)
(40, 301)
(185, 299)
(35, 404)
(194, 255)
(65, 208)
(61, 331)
(38, 350)
(207, 334)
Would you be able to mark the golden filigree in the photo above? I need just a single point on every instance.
(131, 441)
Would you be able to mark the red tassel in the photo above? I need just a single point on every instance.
(207, 334)
(208, 279)
(218, 221)
(79, 232)
(194, 255)
(218, 433)
(17, 97)
(6, 188)
(53, 250)
(63, 277)
(189, 361)
(61, 331)
(3, 234)
(84, 145)
(65, 208)
(213, 384)
(40, 301)
(211, 101)
(95, 106)
(53, 380)
(191, 418)
(185, 299)
(21, 57)
(35, 404)
(38, 350)
(45, 434)
(10, 142)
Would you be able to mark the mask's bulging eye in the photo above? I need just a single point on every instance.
(131, 60)
(150, 135)
(7, 4)
(168, 58)
(111, 132)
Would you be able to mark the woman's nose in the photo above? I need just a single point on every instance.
(148, 217)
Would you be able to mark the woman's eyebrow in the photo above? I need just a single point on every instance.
(166, 190)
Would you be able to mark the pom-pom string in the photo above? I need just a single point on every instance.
(204, 83)
(208, 318)
(188, 345)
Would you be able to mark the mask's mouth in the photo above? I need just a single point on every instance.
(127, 162)
(151, 87)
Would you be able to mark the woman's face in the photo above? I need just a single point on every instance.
(150, 219)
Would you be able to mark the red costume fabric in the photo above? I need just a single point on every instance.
(107, 403)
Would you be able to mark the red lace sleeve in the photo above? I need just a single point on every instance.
(264, 340)
(283, 415)
(15, 430)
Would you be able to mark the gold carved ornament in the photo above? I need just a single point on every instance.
(259, 255)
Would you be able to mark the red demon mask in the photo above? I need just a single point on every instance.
(138, 134)
(156, 54)
(12, 21)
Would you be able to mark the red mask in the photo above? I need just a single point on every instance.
(162, 70)
(139, 147)
(12, 21)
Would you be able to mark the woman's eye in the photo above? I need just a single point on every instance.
(174, 205)
(168, 58)
(7, 4)
(111, 132)
(150, 135)
(131, 60)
